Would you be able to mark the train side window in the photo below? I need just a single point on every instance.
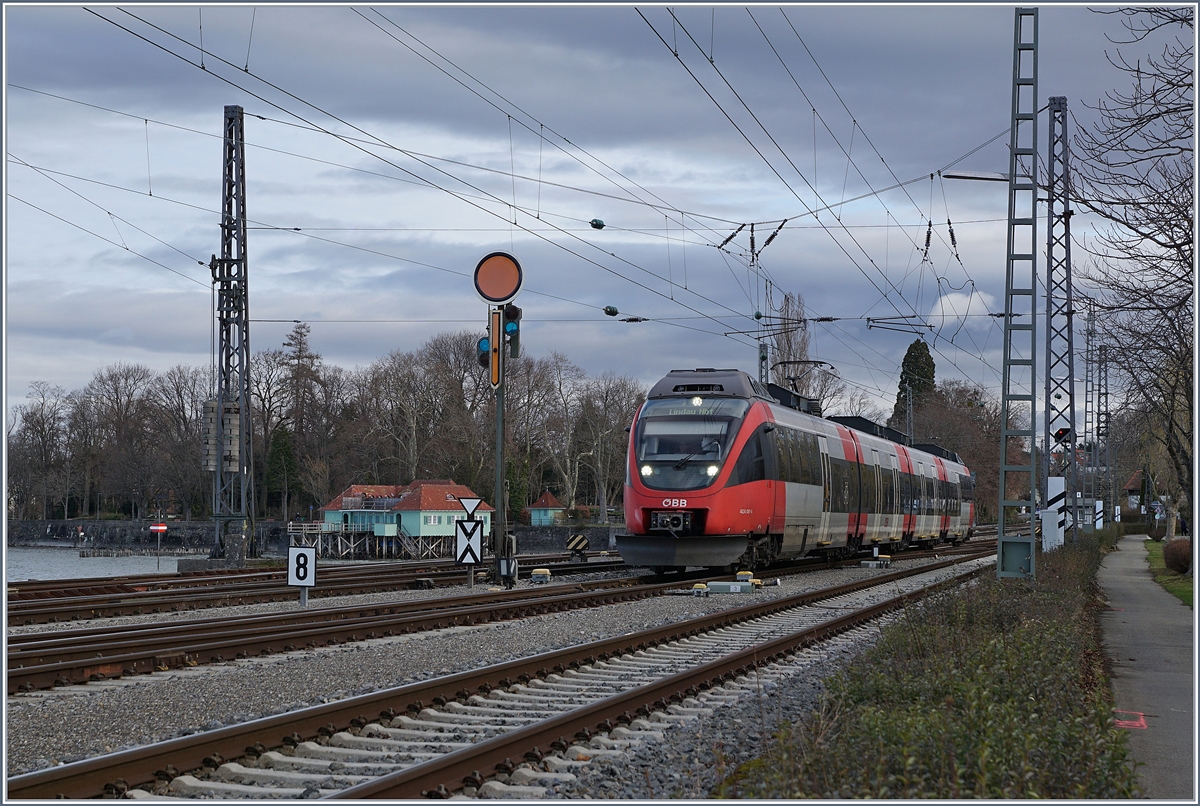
(906, 493)
(854, 491)
(793, 474)
(840, 484)
(751, 464)
(888, 488)
(783, 458)
(812, 459)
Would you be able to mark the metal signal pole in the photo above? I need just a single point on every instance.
(229, 445)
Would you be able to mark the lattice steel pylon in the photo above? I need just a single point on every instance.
(229, 453)
(1089, 415)
(1059, 422)
(1018, 469)
(1104, 483)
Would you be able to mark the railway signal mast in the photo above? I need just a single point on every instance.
(1018, 467)
(498, 279)
(227, 415)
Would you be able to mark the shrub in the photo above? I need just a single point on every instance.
(993, 691)
(1177, 555)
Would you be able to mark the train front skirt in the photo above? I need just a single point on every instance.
(665, 550)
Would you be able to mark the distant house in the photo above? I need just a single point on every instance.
(382, 520)
(546, 511)
(424, 508)
(1133, 492)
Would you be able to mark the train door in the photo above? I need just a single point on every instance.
(889, 490)
(920, 527)
(874, 498)
(942, 480)
(823, 532)
(788, 494)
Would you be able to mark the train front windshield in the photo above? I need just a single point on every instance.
(683, 442)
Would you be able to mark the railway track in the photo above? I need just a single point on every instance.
(434, 736)
(31, 605)
(63, 658)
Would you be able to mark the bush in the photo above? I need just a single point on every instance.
(1177, 555)
(994, 691)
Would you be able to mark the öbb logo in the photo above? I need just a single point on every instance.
(674, 502)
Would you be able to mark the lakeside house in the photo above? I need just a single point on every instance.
(384, 521)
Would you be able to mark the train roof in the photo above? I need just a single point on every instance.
(708, 381)
(736, 383)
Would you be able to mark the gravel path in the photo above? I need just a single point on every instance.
(47, 728)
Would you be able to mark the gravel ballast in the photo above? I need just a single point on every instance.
(44, 729)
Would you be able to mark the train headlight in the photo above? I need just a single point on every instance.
(712, 470)
(697, 401)
(647, 470)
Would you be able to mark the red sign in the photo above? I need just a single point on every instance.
(498, 278)
(158, 527)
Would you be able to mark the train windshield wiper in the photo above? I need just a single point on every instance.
(704, 448)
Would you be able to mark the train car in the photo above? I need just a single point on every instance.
(722, 474)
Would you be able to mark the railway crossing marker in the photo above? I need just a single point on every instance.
(302, 570)
(468, 537)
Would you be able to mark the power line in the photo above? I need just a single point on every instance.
(416, 176)
(107, 240)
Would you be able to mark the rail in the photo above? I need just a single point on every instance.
(117, 773)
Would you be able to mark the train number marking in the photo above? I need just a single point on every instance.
(747, 512)
(674, 502)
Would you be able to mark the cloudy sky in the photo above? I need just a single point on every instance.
(389, 148)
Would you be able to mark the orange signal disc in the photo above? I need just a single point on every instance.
(498, 277)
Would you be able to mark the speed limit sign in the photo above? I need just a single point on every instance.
(302, 566)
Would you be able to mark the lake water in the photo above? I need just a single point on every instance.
(41, 562)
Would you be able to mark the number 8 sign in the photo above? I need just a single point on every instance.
(302, 566)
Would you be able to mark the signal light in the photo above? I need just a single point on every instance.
(512, 329)
(484, 348)
(1062, 434)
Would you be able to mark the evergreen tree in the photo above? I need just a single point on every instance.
(916, 373)
(282, 467)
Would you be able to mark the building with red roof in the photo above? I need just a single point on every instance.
(424, 508)
(546, 511)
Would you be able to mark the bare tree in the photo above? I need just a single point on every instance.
(1135, 171)
(270, 395)
(178, 395)
(400, 407)
(568, 453)
(607, 409)
(119, 391)
(42, 421)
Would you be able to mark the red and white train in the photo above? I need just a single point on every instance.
(722, 474)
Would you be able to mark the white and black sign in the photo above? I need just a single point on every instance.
(468, 536)
(302, 566)
(470, 505)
